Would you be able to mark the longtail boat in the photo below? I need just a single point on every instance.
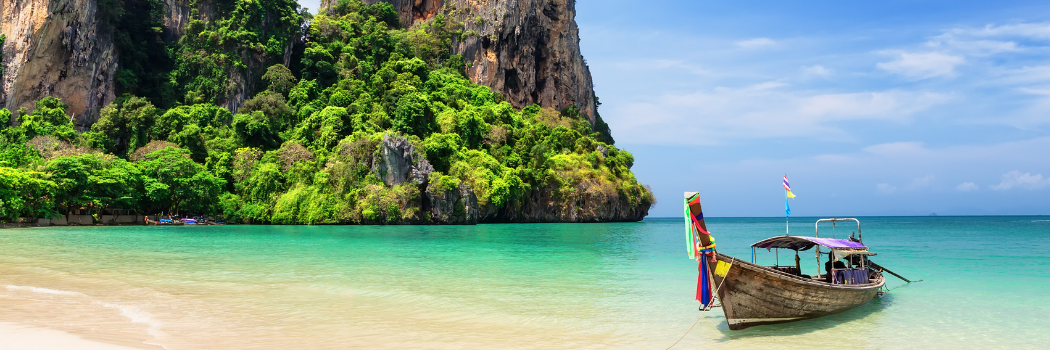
(751, 294)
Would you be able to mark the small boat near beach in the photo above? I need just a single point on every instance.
(164, 222)
(751, 294)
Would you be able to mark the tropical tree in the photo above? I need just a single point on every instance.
(171, 181)
(123, 126)
(25, 193)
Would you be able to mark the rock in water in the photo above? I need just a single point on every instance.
(527, 50)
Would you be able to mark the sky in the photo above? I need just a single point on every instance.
(869, 108)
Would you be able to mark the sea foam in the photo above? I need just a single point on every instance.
(137, 315)
(133, 313)
(43, 290)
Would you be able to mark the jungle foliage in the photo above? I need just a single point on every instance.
(299, 151)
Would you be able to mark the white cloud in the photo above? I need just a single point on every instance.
(923, 65)
(1023, 75)
(680, 65)
(649, 65)
(991, 40)
(885, 188)
(966, 187)
(917, 183)
(833, 158)
(1023, 181)
(921, 182)
(755, 43)
(897, 149)
(760, 111)
(816, 70)
(951, 41)
(1039, 31)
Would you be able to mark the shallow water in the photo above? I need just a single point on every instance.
(617, 285)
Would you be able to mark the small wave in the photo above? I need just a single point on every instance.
(1040, 220)
(133, 313)
(43, 290)
(137, 315)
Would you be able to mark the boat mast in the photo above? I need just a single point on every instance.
(787, 217)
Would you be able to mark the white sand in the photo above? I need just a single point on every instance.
(15, 336)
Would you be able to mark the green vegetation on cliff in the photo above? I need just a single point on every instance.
(317, 142)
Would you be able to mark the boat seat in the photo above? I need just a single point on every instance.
(851, 276)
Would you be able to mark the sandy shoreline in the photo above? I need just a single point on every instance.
(16, 336)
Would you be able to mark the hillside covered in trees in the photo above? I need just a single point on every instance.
(352, 119)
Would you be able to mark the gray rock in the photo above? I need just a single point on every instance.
(457, 206)
(400, 162)
(527, 50)
(57, 49)
(586, 204)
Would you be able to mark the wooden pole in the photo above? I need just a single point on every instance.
(877, 266)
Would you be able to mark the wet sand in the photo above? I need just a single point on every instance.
(16, 336)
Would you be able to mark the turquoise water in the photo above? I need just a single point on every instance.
(617, 285)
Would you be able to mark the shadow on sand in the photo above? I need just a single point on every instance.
(870, 310)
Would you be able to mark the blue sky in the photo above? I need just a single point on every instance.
(870, 108)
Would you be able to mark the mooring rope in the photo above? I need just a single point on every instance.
(907, 284)
(705, 309)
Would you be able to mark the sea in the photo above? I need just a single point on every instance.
(985, 284)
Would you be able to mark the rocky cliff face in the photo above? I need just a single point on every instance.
(585, 206)
(62, 48)
(399, 163)
(528, 50)
(56, 48)
(177, 14)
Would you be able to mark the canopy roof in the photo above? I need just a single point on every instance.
(804, 243)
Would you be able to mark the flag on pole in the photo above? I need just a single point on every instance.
(787, 206)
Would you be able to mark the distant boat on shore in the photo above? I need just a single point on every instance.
(164, 222)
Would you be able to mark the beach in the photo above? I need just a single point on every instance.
(18, 336)
(520, 286)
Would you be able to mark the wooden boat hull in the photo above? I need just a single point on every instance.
(753, 295)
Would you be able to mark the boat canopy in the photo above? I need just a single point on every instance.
(805, 243)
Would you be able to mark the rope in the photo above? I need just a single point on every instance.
(907, 284)
(705, 309)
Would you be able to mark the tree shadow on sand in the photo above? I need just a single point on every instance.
(870, 312)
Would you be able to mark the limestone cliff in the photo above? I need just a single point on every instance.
(56, 48)
(398, 163)
(64, 48)
(527, 50)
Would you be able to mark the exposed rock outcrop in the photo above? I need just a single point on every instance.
(176, 17)
(527, 50)
(57, 48)
(458, 205)
(400, 162)
(585, 205)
